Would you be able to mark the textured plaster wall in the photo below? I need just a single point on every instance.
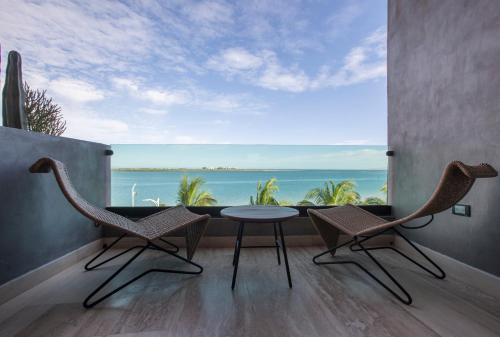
(37, 224)
(443, 105)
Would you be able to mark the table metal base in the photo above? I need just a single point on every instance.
(277, 244)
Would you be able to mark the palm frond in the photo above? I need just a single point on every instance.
(332, 194)
(306, 203)
(265, 193)
(373, 201)
(190, 193)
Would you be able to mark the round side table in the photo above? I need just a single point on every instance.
(260, 214)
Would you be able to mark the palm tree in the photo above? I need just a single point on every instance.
(189, 193)
(384, 188)
(332, 194)
(373, 201)
(377, 200)
(265, 193)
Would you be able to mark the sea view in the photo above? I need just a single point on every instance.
(231, 172)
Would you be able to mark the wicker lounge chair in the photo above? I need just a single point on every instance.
(151, 228)
(361, 226)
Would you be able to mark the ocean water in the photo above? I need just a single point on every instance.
(297, 168)
(236, 187)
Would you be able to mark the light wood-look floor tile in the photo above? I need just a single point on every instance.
(324, 301)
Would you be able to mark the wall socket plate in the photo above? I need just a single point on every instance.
(462, 210)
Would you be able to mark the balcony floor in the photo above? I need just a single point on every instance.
(325, 301)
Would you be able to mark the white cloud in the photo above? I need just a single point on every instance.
(217, 102)
(227, 103)
(234, 60)
(75, 90)
(220, 103)
(157, 112)
(164, 97)
(73, 96)
(107, 35)
(36, 79)
(343, 18)
(364, 62)
(276, 77)
(159, 54)
(354, 142)
(125, 83)
(185, 139)
(189, 96)
(100, 125)
(210, 12)
(262, 69)
(88, 125)
(220, 122)
(152, 95)
(283, 25)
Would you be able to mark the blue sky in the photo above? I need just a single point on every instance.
(344, 157)
(180, 72)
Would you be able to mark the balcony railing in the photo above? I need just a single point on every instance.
(151, 175)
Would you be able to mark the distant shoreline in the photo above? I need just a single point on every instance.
(226, 169)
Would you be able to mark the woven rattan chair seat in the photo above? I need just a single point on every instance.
(148, 228)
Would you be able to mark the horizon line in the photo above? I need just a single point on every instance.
(237, 169)
(249, 144)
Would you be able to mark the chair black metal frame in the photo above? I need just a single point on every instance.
(151, 228)
(456, 181)
(357, 241)
(108, 247)
(88, 303)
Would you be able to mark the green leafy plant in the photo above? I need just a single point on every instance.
(42, 113)
(377, 200)
(384, 188)
(190, 193)
(373, 201)
(332, 194)
(265, 194)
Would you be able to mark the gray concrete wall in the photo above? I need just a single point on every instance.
(444, 104)
(37, 224)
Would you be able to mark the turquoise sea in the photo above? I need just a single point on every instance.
(298, 168)
(235, 187)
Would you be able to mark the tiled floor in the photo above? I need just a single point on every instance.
(325, 301)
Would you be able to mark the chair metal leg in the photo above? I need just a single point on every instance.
(332, 250)
(276, 242)
(406, 299)
(439, 275)
(283, 246)
(88, 266)
(176, 248)
(88, 303)
(200, 268)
